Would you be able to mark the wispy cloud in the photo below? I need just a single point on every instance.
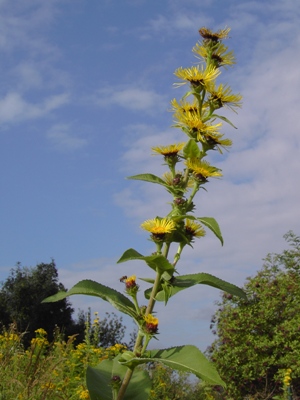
(63, 138)
(14, 108)
(131, 98)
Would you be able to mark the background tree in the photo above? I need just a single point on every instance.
(258, 338)
(20, 302)
(108, 330)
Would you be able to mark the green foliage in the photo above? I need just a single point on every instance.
(47, 371)
(20, 302)
(258, 338)
(92, 288)
(182, 358)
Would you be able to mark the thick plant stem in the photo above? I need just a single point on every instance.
(124, 385)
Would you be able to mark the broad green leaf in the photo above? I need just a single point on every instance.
(148, 178)
(212, 224)
(92, 288)
(99, 380)
(191, 149)
(184, 358)
(157, 262)
(182, 282)
(224, 119)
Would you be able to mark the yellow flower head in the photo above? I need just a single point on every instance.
(222, 96)
(215, 140)
(169, 151)
(151, 324)
(219, 57)
(202, 170)
(194, 229)
(196, 75)
(159, 226)
(192, 124)
(184, 106)
(207, 34)
(130, 284)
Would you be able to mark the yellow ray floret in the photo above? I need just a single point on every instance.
(159, 226)
(222, 96)
(196, 75)
(220, 56)
(194, 229)
(170, 150)
(203, 168)
(150, 319)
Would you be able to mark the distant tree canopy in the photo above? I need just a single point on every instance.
(20, 302)
(259, 338)
(21, 296)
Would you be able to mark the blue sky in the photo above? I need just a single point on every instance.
(85, 94)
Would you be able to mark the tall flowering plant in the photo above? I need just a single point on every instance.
(187, 171)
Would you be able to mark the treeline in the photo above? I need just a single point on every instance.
(257, 345)
(21, 306)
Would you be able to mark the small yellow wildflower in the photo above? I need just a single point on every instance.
(151, 324)
(41, 332)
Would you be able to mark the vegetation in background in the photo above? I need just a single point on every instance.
(258, 338)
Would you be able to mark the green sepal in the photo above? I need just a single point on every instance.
(183, 358)
(224, 119)
(182, 282)
(92, 288)
(191, 150)
(98, 381)
(157, 262)
(209, 222)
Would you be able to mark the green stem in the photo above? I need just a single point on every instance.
(139, 339)
(178, 254)
(154, 291)
(195, 190)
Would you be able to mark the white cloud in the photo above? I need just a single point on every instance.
(14, 108)
(131, 98)
(63, 140)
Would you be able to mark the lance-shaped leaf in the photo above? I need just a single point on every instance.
(183, 358)
(191, 150)
(99, 381)
(182, 282)
(156, 179)
(92, 288)
(212, 224)
(148, 178)
(157, 262)
(223, 119)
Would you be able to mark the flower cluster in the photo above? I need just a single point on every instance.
(196, 115)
